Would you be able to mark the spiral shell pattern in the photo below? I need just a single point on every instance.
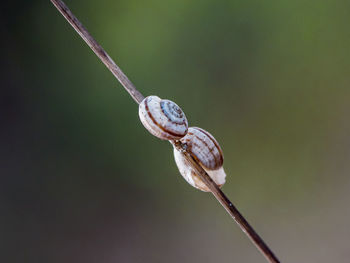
(163, 118)
(206, 150)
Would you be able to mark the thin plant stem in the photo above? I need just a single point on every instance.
(138, 97)
(227, 204)
(99, 51)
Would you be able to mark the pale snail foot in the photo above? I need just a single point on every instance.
(218, 176)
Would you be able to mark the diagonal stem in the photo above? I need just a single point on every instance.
(99, 51)
(138, 97)
(227, 204)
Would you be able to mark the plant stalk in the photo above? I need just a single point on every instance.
(138, 97)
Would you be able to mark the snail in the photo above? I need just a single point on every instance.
(163, 118)
(206, 151)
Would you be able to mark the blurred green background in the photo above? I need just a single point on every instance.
(83, 181)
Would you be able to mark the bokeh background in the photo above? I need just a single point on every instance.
(83, 181)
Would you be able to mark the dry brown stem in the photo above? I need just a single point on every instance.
(138, 97)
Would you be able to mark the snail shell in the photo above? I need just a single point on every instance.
(207, 152)
(163, 118)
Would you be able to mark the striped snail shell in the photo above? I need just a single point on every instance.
(207, 152)
(163, 118)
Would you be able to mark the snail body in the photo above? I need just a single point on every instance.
(163, 118)
(207, 152)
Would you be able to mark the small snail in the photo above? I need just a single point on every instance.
(163, 118)
(206, 150)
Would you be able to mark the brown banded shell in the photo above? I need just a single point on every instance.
(163, 118)
(206, 150)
